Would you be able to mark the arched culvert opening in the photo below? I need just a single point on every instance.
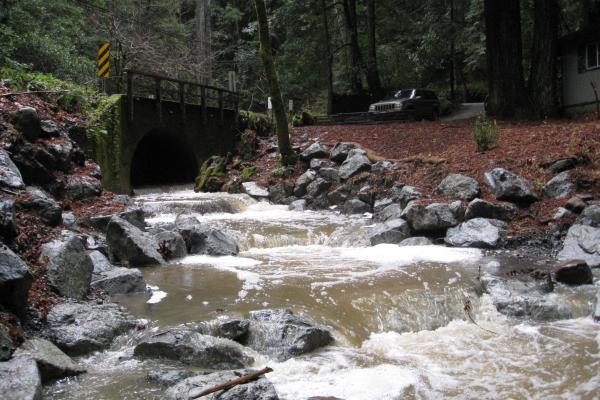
(162, 159)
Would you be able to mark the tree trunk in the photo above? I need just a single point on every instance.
(203, 39)
(283, 136)
(543, 74)
(372, 71)
(328, 57)
(452, 53)
(507, 97)
(355, 59)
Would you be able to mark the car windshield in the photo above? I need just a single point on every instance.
(398, 94)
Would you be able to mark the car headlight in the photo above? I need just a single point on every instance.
(372, 108)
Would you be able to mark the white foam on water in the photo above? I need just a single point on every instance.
(157, 295)
(251, 280)
(404, 255)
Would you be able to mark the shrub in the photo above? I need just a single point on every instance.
(485, 133)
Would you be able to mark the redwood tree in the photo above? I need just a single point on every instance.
(543, 74)
(508, 97)
(372, 71)
(283, 136)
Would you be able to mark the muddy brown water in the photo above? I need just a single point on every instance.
(397, 313)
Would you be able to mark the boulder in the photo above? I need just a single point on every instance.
(459, 187)
(298, 205)
(517, 298)
(210, 241)
(258, 389)
(590, 216)
(69, 267)
(356, 163)
(338, 196)
(416, 241)
(330, 174)
(392, 231)
(127, 243)
(317, 163)
(10, 176)
(174, 244)
(15, 281)
(20, 380)
(317, 187)
(62, 153)
(36, 165)
(82, 188)
(52, 363)
(39, 203)
(319, 203)
(382, 204)
(303, 181)
(253, 190)
(228, 328)
(68, 219)
(561, 213)
(340, 151)
(576, 204)
(27, 121)
(356, 206)
(563, 164)
(119, 281)
(478, 232)
(574, 273)
(195, 349)
(134, 216)
(382, 166)
(168, 378)
(280, 193)
(582, 243)
(100, 262)
(8, 225)
(405, 195)
(367, 194)
(49, 129)
(393, 211)
(315, 150)
(479, 208)
(435, 217)
(82, 328)
(560, 186)
(509, 186)
(282, 335)
(7, 346)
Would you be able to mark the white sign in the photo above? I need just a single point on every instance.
(269, 104)
(232, 81)
(291, 105)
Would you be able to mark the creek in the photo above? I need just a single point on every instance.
(396, 312)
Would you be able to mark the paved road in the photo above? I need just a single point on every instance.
(465, 111)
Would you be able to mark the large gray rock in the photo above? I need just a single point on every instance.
(69, 267)
(100, 262)
(478, 232)
(282, 335)
(479, 208)
(303, 181)
(590, 216)
(52, 363)
(405, 194)
(259, 389)
(27, 121)
(317, 187)
(39, 203)
(517, 298)
(315, 150)
(20, 380)
(195, 349)
(252, 189)
(434, 217)
(340, 151)
(129, 244)
(330, 174)
(119, 281)
(382, 166)
(8, 225)
(7, 347)
(79, 329)
(80, 187)
(49, 129)
(560, 186)
(338, 196)
(134, 216)
(356, 163)
(393, 211)
(228, 328)
(392, 231)
(168, 378)
(213, 242)
(298, 205)
(281, 193)
(356, 206)
(574, 273)
(509, 186)
(582, 243)
(10, 176)
(459, 187)
(173, 242)
(416, 241)
(15, 281)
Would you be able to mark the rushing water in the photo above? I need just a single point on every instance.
(397, 313)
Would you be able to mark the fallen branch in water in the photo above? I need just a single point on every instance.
(228, 385)
(468, 308)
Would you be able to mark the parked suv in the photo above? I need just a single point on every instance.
(418, 103)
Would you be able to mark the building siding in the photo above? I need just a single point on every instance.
(576, 88)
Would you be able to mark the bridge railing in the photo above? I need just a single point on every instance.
(163, 89)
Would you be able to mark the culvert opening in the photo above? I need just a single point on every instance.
(162, 159)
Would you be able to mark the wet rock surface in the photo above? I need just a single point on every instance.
(8, 226)
(20, 379)
(80, 328)
(174, 244)
(15, 281)
(229, 328)
(42, 205)
(127, 243)
(478, 232)
(252, 189)
(509, 186)
(119, 280)
(433, 217)
(459, 187)
(7, 347)
(192, 348)
(582, 243)
(392, 231)
(10, 176)
(574, 273)
(51, 361)
(82, 187)
(479, 208)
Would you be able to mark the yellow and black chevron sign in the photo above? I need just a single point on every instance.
(104, 61)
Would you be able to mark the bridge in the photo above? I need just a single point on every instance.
(163, 130)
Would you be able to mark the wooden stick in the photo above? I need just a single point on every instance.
(34, 92)
(228, 385)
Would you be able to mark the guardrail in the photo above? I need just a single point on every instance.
(164, 89)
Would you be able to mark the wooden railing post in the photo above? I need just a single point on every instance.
(182, 100)
(157, 82)
(221, 109)
(130, 95)
(203, 96)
